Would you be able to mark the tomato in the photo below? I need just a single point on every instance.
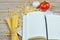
(44, 6)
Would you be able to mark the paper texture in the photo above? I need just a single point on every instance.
(53, 23)
(33, 25)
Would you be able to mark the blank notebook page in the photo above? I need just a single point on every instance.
(53, 23)
(33, 25)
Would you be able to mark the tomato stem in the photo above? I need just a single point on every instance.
(44, 2)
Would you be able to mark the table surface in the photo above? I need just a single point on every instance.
(5, 4)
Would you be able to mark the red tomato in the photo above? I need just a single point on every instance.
(44, 6)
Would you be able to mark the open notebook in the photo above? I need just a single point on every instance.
(33, 25)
